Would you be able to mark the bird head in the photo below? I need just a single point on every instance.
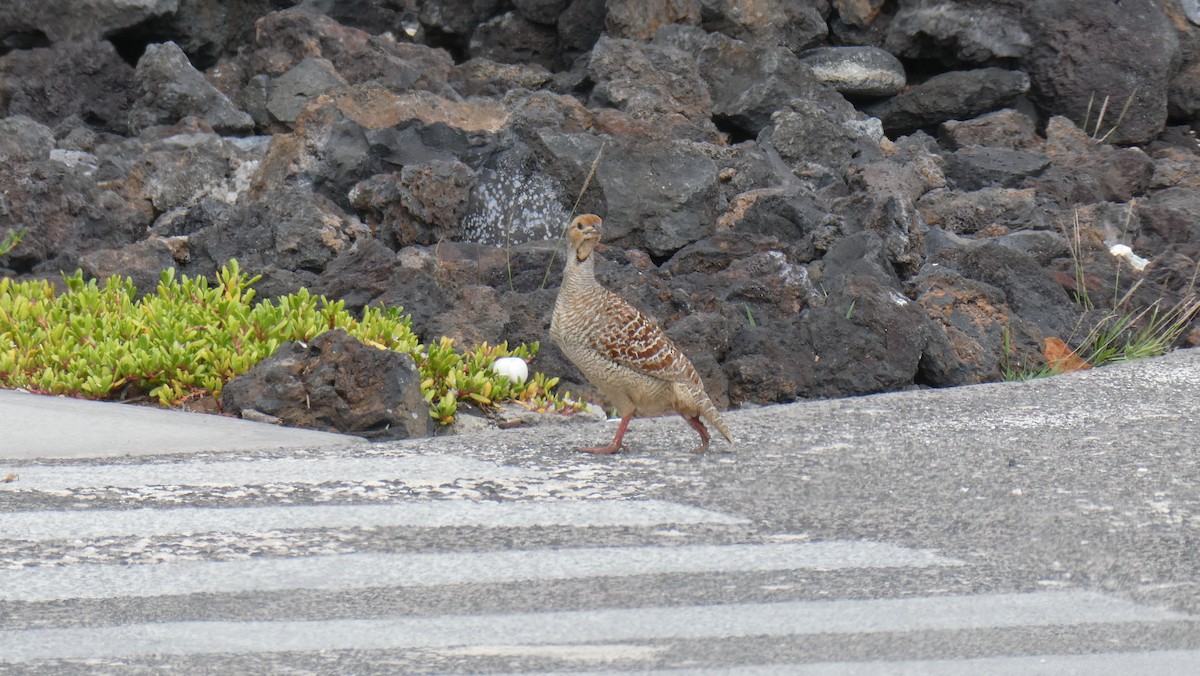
(583, 235)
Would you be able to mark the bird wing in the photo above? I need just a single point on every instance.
(630, 339)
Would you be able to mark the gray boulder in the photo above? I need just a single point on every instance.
(68, 82)
(1086, 51)
(955, 95)
(170, 89)
(334, 383)
(747, 82)
(958, 31)
(857, 71)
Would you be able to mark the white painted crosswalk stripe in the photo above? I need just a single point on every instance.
(413, 469)
(225, 554)
(360, 571)
(45, 525)
(949, 613)
(1109, 664)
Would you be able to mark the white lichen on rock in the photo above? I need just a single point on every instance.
(509, 208)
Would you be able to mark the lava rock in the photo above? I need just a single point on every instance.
(858, 13)
(1045, 246)
(978, 167)
(67, 20)
(511, 38)
(421, 297)
(359, 274)
(649, 81)
(783, 23)
(747, 82)
(640, 20)
(541, 11)
(1084, 51)
(289, 229)
(662, 216)
(1002, 129)
(78, 81)
(954, 31)
(335, 383)
(1183, 94)
(436, 193)
(868, 337)
(1084, 170)
(1173, 214)
(419, 205)
(967, 213)
(956, 95)
(1028, 289)
(979, 328)
(354, 132)
(508, 206)
(485, 77)
(143, 262)
(857, 71)
(61, 207)
(826, 132)
(369, 15)
(24, 140)
(290, 92)
(169, 89)
(286, 38)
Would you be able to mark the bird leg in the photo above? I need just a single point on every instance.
(694, 421)
(616, 444)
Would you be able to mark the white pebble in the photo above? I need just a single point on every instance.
(514, 368)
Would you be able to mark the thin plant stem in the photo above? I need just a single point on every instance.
(1120, 117)
(587, 181)
(1087, 115)
(1099, 118)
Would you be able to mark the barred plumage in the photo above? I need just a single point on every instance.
(620, 350)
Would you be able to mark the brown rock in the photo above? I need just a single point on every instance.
(859, 13)
(335, 383)
(375, 108)
(649, 81)
(640, 19)
(1002, 129)
(971, 212)
(977, 323)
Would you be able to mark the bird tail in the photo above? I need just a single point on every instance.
(694, 401)
(710, 414)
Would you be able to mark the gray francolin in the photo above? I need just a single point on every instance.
(620, 350)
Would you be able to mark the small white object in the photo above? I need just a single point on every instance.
(514, 368)
(1123, 251)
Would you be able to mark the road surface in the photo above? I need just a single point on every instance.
(1048, 527)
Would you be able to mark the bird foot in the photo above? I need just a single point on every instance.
(605, 450)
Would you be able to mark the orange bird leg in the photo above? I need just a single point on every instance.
(694, 421)
(616, 444)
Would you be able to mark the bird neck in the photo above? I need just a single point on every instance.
(579, 273)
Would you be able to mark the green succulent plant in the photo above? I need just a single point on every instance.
(11, 239)
(187, 339)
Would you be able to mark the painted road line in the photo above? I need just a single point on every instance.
(432, 470)
(1104, 664)
(370, 570)
(943, 613)
(145, 522)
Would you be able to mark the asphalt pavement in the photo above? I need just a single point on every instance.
(1045, 527)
